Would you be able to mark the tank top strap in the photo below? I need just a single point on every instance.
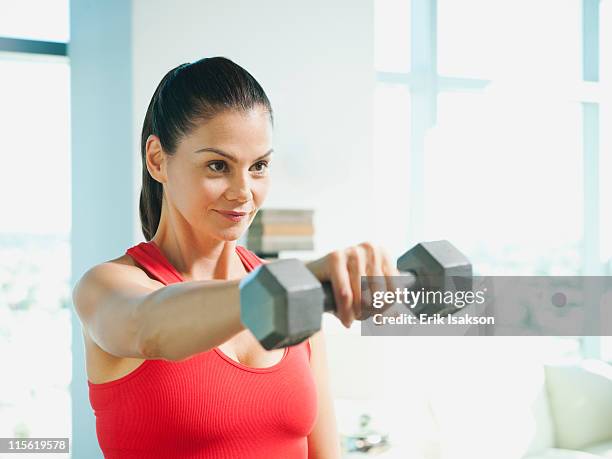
(248, 258)
(153, 261)
(149, 256)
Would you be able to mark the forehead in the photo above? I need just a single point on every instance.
(231, 127)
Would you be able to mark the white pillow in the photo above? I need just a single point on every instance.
(581, 403)
(555, 453)
(488, 396)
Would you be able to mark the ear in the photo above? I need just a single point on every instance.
(156, 159)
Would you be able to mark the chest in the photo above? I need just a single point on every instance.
(245, 349)
(206, 400)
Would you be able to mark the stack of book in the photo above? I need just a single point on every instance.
(274, 230)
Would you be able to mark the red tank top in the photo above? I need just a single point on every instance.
(209, 405)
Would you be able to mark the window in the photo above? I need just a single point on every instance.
(518, 40)
(514, 165)
(35, 20)
(503, 139)
(35, 328)
(392, 35)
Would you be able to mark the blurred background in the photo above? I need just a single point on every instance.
(484, 122)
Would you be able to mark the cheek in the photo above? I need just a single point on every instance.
(260, 190)
(189, 191)
(206, 194)
(209, 191)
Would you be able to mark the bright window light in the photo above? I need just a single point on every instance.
(46, 20)
(525, 157)
(519, 39)
(35, 329)
(392, 37)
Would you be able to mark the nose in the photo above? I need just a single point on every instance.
(239, 188)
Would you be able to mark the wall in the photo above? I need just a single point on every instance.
(315, 62)
(101, 128)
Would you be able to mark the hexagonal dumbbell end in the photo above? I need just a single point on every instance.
(281, 303)
(438, 266)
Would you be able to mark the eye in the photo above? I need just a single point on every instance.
(213, 166)
(216, 162)
(264, 163)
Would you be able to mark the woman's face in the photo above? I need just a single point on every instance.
(202, 183)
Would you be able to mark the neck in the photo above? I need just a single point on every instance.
(201, 259)
(197, 257)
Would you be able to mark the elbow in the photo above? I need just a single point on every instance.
(151, 348)
(149, 342)
(148, 346)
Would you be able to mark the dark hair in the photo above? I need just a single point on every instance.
(186, 95)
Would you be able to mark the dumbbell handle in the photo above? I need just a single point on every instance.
(329, 304)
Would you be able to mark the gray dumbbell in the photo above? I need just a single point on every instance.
(282, 302)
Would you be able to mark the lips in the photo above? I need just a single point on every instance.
(232, 213)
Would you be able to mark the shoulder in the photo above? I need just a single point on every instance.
(116, 271)
(124, 265)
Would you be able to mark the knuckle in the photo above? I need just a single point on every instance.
(336, 257)
(373, 252)
(368, 246)
(354, 262)
(344, 296)
(351, 252)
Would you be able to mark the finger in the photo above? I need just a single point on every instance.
(341, 286)
(389, 271)
(355, 265)
(373, 268)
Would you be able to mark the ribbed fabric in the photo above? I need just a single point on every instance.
(208, 406)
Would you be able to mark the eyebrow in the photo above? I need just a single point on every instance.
(229, 156)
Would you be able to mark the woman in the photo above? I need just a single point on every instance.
(172, 371)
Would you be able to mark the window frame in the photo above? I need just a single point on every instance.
(23, 46)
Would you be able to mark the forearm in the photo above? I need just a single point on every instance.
(184, 319)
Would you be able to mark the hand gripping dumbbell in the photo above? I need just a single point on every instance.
(282, 302)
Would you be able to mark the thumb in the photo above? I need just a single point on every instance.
(320, 268)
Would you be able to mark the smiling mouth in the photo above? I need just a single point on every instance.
(232, 213)
(233, 216)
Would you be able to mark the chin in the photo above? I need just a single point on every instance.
(230, 235)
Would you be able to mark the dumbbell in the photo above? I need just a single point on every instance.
(282, 302)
